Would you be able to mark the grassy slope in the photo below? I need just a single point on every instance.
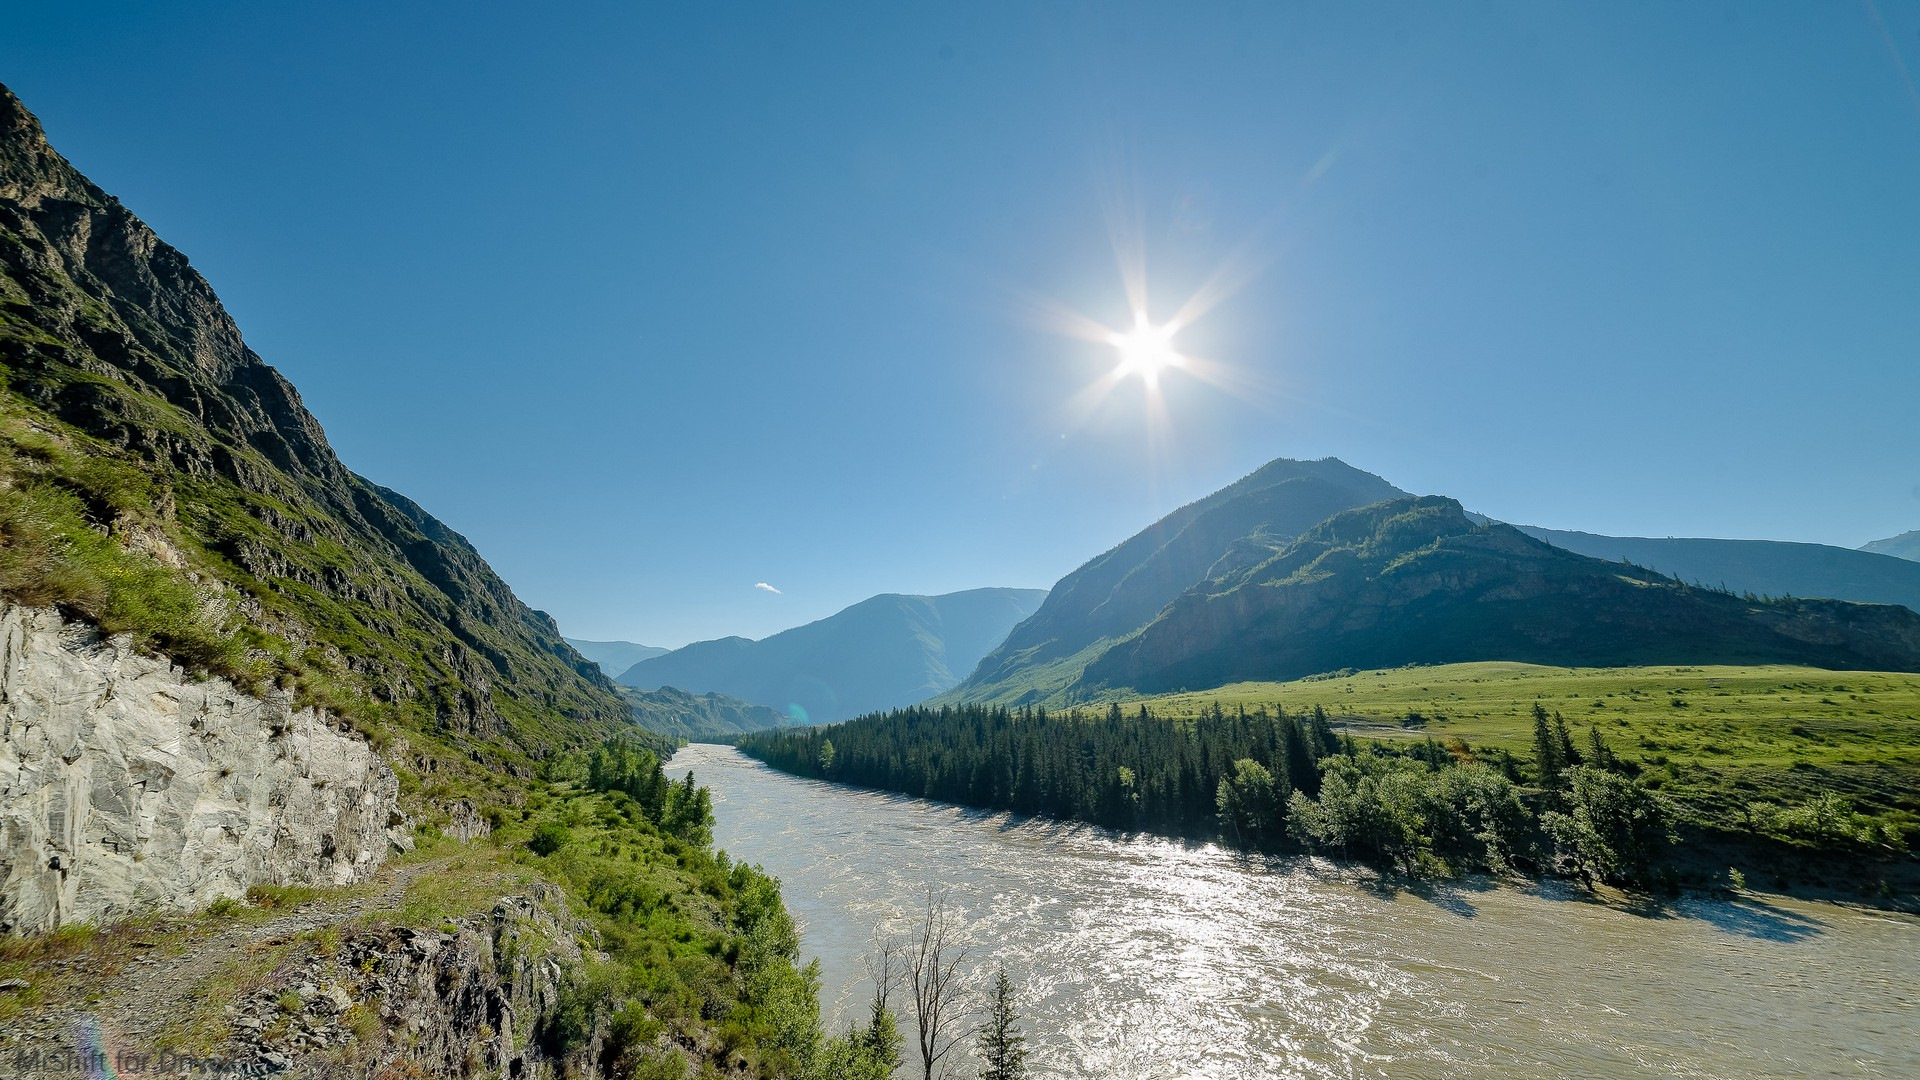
(1416, 582)
(1715, 738)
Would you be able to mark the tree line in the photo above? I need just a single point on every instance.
(1267, 780)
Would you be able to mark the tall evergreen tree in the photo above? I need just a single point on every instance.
(1599, 755)
(1001, 1043)
(1546, 750)
(1569, 757)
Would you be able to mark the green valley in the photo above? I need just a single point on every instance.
(1715, 738)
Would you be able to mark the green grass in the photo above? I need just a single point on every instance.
(468, 878)
(1714, 738)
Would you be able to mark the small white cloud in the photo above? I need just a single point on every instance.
(764, 585)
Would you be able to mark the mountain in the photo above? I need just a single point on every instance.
(1119, 592)
(1762, 567)
(886, 651)
(615, 657)
(1904, 546)
(1414, 581)
(158, 479)
(698, 717)
(228, 662)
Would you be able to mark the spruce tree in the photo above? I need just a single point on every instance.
(880, 1044)
(1569, 756)
(1598, 753)
(1001, 1044)
(1546, 750)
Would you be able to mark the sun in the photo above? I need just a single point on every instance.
(1146, 350)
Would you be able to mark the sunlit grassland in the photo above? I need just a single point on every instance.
(1715, 738)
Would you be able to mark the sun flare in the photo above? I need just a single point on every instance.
(1146, 350)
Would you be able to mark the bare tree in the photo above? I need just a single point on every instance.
(886, 966)
(933, 954)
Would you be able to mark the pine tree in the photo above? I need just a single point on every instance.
(880, 1044)
(1546, 750)
(1569, 756)
(1598, 753)
(1001, 1044)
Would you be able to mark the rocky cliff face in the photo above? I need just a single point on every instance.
(127, 786)
(478, 997)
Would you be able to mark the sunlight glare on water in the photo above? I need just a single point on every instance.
(1143, 957)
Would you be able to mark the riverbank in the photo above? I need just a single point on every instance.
(1765, 795)
(1142, 956)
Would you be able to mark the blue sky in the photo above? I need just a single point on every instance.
(657, 302)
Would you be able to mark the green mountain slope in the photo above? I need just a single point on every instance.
(615, 657)
(885, 651)
(1762, 567)
(1415, 581)
(1117, 593)
(698, 717)
(1904, 546)
(158, 478)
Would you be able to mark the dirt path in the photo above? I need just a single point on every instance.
(121, 997)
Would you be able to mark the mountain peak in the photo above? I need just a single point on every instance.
(1118, 592)
(1904, 546)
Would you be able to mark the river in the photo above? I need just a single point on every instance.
(1141, 957)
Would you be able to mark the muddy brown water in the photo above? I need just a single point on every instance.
(1142, 957)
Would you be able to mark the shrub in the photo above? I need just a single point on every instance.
(549, 838)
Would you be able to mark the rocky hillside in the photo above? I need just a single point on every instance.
(1415, 581)
(1116, 594)
(158, 479)
(885, 651)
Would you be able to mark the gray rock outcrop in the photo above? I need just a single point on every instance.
(127, 786)
(480, 996)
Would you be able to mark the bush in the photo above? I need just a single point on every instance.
(549, 838)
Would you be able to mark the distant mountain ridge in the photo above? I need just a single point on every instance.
(1762, 567)
(1117, 593)
(1904, 546)
(615, 657)
(886, 651)
(698, 717)
(1414, 581)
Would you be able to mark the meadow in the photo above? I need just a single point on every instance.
(1713, 738)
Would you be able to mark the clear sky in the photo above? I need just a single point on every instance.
(657, 302)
